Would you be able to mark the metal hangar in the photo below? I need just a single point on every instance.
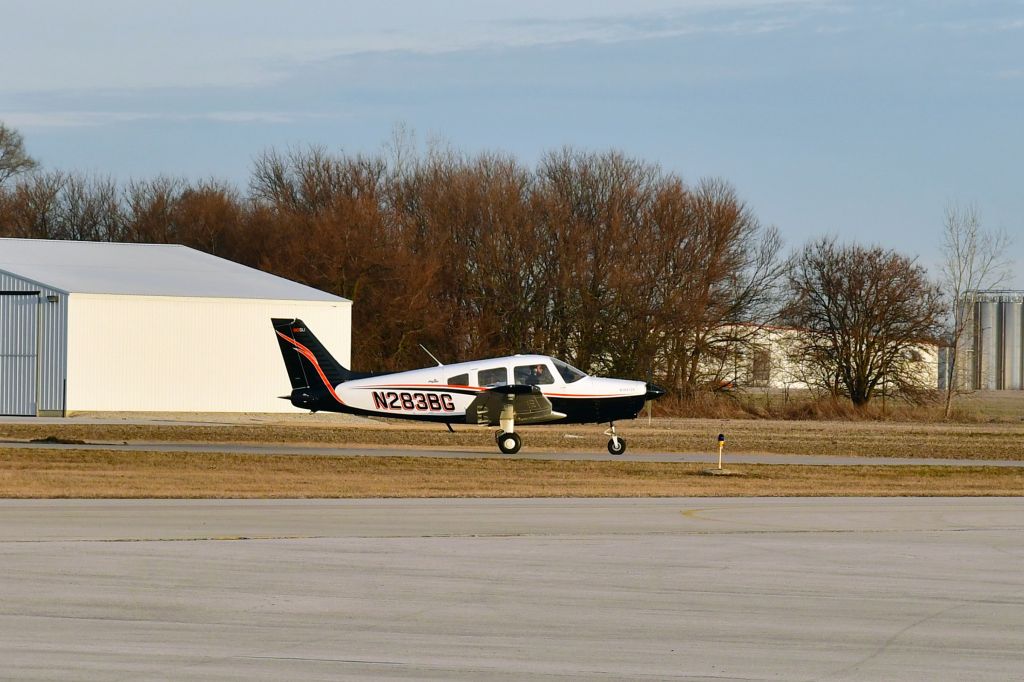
(109, 327)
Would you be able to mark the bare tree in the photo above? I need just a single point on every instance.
(973, 259)
(726, 281)
(88, 209)
(863, 313)
(598, 257)
(13, 158)
(149, 210)
(592, 206)
(32, 207)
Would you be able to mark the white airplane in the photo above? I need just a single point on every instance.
(504, 392)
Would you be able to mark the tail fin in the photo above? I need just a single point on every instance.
(308, 362)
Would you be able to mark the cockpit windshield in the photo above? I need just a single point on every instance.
(568, 372)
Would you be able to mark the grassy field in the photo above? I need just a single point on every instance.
(978, 407)
(109, 474)
(1001, 440)
(991, 405)
(34, 473)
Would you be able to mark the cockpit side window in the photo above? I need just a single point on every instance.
(533, 375)
(568, 372)
(493, 377)
(459, 380)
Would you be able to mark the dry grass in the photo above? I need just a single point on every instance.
(109, 474)
(753, 403)
(894, 439)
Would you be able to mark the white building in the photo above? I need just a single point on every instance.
(769, 358)
(102, 327)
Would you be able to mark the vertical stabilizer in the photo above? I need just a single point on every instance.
(309, 364)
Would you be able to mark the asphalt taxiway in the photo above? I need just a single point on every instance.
(356, 451)
(707, 589)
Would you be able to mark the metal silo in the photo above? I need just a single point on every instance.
(993, 342)
(987, 344)
(1013, 341)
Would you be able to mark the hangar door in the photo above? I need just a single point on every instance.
(18, 347)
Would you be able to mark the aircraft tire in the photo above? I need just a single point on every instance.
(616, 450)
(509, 443)
(498, 434)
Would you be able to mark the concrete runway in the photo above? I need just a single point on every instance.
(705, 589)
(347, 451)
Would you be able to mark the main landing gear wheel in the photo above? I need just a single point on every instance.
(509, 443)
(617, 448)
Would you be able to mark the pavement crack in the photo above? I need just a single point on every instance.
(205, 538)
(889, 641)
(322, 660)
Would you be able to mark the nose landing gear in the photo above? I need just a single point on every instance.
(616, 445)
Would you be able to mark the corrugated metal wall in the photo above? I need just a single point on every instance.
(166, 354)
(32, 348)
(18, 331)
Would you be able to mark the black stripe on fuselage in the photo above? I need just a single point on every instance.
(576, 410)
(597, 410)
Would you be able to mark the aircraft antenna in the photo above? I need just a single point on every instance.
(439, 363)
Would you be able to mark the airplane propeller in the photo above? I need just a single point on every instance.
(653, 393)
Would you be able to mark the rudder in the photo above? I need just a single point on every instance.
(309, 364)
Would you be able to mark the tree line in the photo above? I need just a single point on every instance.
(605, 260)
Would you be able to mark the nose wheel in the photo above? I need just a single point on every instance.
(616, 445)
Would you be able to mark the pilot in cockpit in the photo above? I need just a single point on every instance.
(536, 376)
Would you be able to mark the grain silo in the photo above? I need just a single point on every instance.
(994, 340)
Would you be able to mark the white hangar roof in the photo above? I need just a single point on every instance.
(78, 267)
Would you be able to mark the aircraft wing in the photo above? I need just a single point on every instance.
(524, 404)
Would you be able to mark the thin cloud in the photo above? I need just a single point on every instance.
(734, 18)
(267, 45)
(978, 26)
(84, 119)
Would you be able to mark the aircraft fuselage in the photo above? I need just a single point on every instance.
(443, 394)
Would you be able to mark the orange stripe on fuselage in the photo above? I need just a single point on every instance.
(434, 386)
(481, 388)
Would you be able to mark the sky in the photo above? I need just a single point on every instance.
(862, 120)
